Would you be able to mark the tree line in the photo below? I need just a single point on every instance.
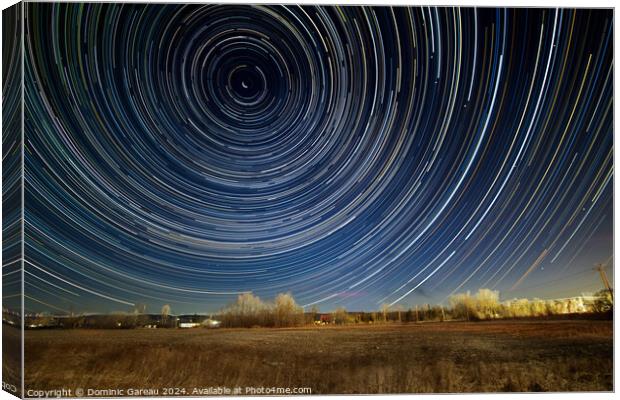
(250, 311)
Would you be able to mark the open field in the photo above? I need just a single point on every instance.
(11, 359)
(431, 357)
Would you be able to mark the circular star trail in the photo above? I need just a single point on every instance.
(353, 156)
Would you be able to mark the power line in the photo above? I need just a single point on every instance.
(554, 280)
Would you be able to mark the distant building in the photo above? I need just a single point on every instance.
(323, 319)
(211, 323)
(191, 321)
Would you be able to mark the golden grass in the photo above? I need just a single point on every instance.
(414, 358)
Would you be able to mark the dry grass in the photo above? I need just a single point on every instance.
(11, 357)
(433, 357)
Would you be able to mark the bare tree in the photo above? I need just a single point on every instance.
(247, 311)
(340, 316)
(287, 312)
(487, 303)
(165, 313)
(462, 305)
(314, 311)
(384, 311)
(139, 308)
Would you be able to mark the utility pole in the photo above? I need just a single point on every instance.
(601, 271)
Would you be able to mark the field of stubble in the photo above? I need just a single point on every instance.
(432, 357)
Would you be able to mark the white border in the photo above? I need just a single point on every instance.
(479, 3)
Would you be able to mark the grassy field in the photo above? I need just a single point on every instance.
(409, 358)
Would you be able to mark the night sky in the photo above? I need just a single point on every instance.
(352, 156)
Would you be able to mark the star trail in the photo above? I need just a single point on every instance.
(353, 156)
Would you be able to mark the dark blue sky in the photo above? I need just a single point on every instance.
(352, 156)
